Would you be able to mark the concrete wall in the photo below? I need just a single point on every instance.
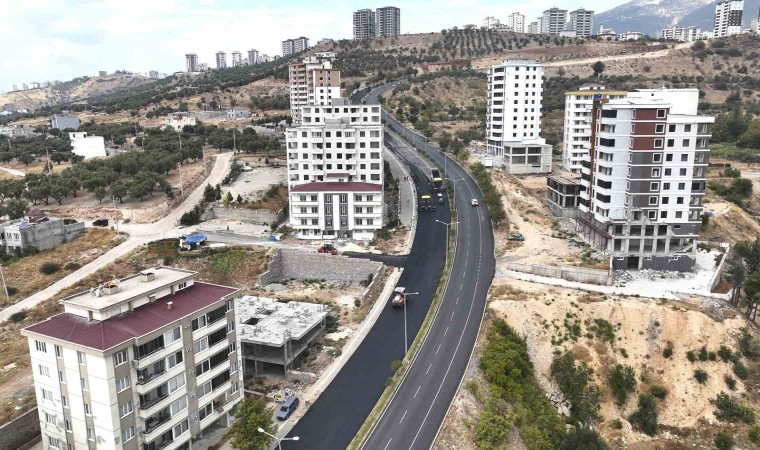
(570, 273)
(302, 265)
(257, 216)
(41, 236)
(21, 431)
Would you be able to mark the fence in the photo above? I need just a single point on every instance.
(22, 432)
(570, 273)
(722, 266)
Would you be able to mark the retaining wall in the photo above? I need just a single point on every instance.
(301, 265)
(570, 273)
(257, 216)
(21, 432)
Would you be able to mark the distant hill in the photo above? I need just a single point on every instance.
(651, 16)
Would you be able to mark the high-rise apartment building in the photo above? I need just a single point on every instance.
(147, 362)
(683, 34)
(644, 179)
(313, 81)
(513, 120)
(364, 24)
(237, 59)
(387, 21)
(728, 18)
(335, 171)
(582, 22)
(253, 56)
(191, 61)
(533, 28)
(221, 60)
(297, 45)
(516, 22)
(577, 129)
(288, 47)
(553, 21)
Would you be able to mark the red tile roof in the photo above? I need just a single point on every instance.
(337, 186)
(105, 334)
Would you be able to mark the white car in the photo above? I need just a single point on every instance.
(474, 202)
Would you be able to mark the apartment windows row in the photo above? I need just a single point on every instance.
(159, 343)
(208, 318)
(211, 385)
(365, 119)
(368, 222)
(213, 338)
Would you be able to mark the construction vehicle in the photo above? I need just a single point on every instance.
(425, 203)
(328, 248)
(437, 184)
(399, 297)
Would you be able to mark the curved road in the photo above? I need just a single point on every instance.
(415, 413)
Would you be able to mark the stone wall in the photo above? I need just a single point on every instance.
(302, 265)
(257, 216)
(570, 273)
(21, 432)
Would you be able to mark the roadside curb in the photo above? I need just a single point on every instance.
(413, 226)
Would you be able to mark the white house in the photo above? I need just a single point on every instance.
(87, 146)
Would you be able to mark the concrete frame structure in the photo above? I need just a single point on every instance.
(513, 121)
(516, 22)
(147, 362)
(682, 34)
(313, 81)
(191, 62)
(87, 146)
(274, 334)
(582, 22)
(728, 18)
(19, 236)
(335, 171)
(364, 24)
(553, 21)
(387, 21)
(562, 195)
(577, 128)
(221, 60)
(644, 179)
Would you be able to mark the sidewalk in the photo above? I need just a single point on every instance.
(407, 196)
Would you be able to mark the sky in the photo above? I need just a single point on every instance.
(61, 39)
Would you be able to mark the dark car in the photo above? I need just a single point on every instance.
(100, 223)
(287, 408)
(515, 237)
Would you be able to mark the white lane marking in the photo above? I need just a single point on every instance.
(388, 444)
(431, 365)
(417, 391)
(465, 262)
(461, 285)
(402, 417)
(457, 302)
(439, 349)
(452, 315)
(446, 332)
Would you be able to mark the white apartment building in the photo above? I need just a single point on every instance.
(644, 178)
(313, 81)
(253, 56)
(534, 28)
(387, 21)
(513, 120)
(237, 59)
(516, 22)
(577, 130)
(582, 22)
(87, 146)
(335, 171)
(364, 24)
(296, 45)
(221, 60)
(728, 18)
(191, 61)
(148, 362)
(631, 36)
(683, 34)
(553, 21)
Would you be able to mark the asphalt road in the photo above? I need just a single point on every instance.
(415, 413)
(333, 420)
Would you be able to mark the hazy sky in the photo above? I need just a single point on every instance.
(45, 40)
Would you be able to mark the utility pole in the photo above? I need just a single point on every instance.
(5, 287)
(116, 219)
(234, 145)
(181, 189)
(49, 169)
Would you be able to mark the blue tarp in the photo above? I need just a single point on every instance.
(195, 238)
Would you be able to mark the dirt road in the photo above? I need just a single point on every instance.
(138, 234)
(578, 62)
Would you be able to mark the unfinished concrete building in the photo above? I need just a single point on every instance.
(274, 334)
(562, 195)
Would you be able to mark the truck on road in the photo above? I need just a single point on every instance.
(399, 297)
(425, 203)
(437, 184)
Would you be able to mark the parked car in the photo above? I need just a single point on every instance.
(440, 198)
(474, 202)
(100, 223)
(515, 237)
(287, 408)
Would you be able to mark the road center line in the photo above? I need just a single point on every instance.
(439, 349)
(417, 391)
(452, 315)
(431, 365)
(445, 332)
(402, 417)
(388, 444)
(457, 302)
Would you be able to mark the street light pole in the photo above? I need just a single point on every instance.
(279, 440)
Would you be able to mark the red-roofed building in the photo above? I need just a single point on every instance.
(147, 362)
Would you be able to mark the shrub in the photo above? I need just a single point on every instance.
(18, 316)
(72, 266)
(396, 364)
(659, 392)
(668, 351)
(645, 416)
(740, 370)
(168, 260)
(725, 353)
(584, 438)
(730, 382)
(701, 376)
(724, 442)
(49, 268)
(331, 324)
(12, 290)
(712, 356)
(703, 353)
(622, 381)
(616, 424)
(754, 435)
(729, 410)
(691, 356)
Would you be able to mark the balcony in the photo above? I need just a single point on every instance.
(153, 422)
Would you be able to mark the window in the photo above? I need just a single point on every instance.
(671, 128)
(654, 186)
(128, 434)
(84, 384)
(181, 286)
(681, 186)
(125, 409)
(655, 171)
(49, 418)
(47, 395)
(67, 425)
(40, 346)
(230, 327)
(686, 143)
(61, 379)
(669, 157)
(176, 382)
(179, 405)
(229, 305)
(54, 442)
(665, 186)
(180, 428)
(205, 411)
(64, 401)
(652, 215)
(671, 142)
(44, 371)
(81, 357)
(120, 358)
(658, 143)
(659, 128)
(199, 322)
(90, 434)
(660, 113)
(122, 384)
(233, 367)
(663, 214)
(232, 347)
(685, 157)
(665, 200)
(668, 172)
(172, 336)
(174, 359)
(204, 389)
(682, 172)
(200, 344)
(652, 200)
(679, 200)
(58, 351)
(87, 409)
(679, 215)
(656, 157)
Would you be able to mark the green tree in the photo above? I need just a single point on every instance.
(724, 441)
(645, 416)
(252, 414)
(100, 193)
(583, 438)
(580, 394)
(598, 68)
(622, 382)
(14, 208)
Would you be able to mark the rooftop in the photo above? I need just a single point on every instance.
(105, 334)
(128, 288)
(337, 186)
(273, 322)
